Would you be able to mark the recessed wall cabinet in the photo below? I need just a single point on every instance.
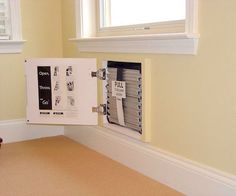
(64, 91)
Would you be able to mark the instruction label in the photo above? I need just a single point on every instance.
(119, 89)
(44, 88)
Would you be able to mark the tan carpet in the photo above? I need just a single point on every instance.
(58, 166)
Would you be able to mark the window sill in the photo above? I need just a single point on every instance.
(11, 46)
(158, 44)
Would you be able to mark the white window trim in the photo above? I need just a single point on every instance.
(173, 43)
(15, 44)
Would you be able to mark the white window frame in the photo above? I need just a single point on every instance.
(15, 43)
(170, 43)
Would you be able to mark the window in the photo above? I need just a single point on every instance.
(140, 12)
(141, 17)
(4, 20)
(144, 26)
(10, 27)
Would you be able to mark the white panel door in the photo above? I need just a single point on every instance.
(61, 91)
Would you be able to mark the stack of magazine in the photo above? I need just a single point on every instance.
(130, 73)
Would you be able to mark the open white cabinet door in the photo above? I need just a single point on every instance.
(61, 91)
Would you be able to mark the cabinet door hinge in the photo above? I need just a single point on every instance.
(100, 74)
(101, 109)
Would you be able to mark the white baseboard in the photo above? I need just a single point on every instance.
(181, 174)
(17, 130)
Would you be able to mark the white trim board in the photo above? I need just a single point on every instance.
(181, 174)
(168, 44)
(17, 130)
(11, 46)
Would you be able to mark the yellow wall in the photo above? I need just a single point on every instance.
(41, 26)
(193, 97)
